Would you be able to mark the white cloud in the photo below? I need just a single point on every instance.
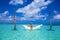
(7, 19)
(25, 0)
(10, 18)
(55, 12)
(57, 17)
(14, 2)
(22, 18)
(33, 8)
(35, 17)
(5, 13)
(4, 17)
(0, 16)
(43, 7)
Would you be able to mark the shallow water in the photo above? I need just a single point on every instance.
(7, 33)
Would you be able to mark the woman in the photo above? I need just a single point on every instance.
(30, 26)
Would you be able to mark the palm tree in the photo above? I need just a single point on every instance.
(50, 22)
(14, 19)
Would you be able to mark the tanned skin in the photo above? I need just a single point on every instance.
(30, 26)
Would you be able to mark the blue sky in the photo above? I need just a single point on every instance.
(35, 11)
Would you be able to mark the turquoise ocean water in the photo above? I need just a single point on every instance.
(7, 33)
